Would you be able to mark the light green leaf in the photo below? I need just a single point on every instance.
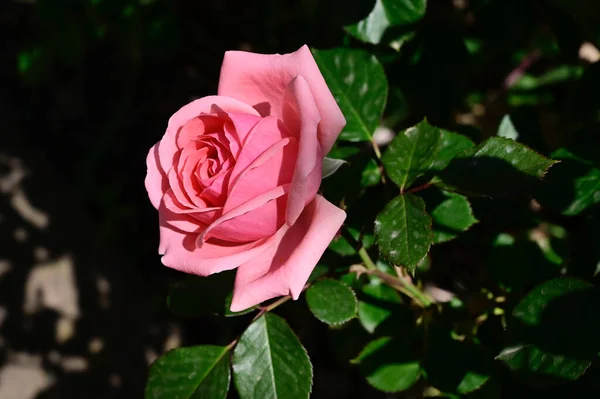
(388, 365)
(451, 216)
(359, 85)
(190, 373)
(269, 362)
(419, 150)
(498, 167)
(507, 129)
(387, 14)
(331, 301)
(403, 231)
(555, 332)
(331, 165)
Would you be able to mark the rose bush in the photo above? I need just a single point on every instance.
(235, 176)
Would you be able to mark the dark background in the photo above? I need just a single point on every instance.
(86, 88)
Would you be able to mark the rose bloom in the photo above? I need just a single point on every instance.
(235, 176)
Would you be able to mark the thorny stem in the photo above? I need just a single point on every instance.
(398, 284)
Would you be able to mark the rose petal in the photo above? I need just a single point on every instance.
(274, 167)
(285, 266)
(181, 253)
(300, 113)
(156, 181)
(238, 225)
(260, 80)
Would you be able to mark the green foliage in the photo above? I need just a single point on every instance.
(403, 231)
(573, 185)
(452, 214)
(331, 301)
(469, 256)
(498, 167)
(378, 303)
(387, 14)
(360, 87)
(194, 372)
(270, 362)
(388, 365)
(419, 150)
(193, 296)
(555, 330)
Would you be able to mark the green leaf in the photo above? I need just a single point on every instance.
(371, 175)
(419, 150)
(270, 362)
(378, 303)
(195, 372)
(572, 186)
(331, 165)
(359, 85)
(193, 296)
(451, 216)
(229, 313)
(507, 129)
(452, 366)
(516, 262)
(497, 167)
(388, 365)
(331, 301)
(387, 14)
(403, 231)
(555, 331)
(342, 247)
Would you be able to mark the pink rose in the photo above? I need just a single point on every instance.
(235, 176)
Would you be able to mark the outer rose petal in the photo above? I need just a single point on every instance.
(156, 179)
(260, 80)
(301, 115)
(180, 253)
(286, 264)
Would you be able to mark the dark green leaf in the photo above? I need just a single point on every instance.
(270, 362)
(377, 304)
(451, 216)
(403, 231)
(389, 365)
(498, 167)
(229, 313)
(194, 296)
(572, 186)
(419, 150)
(359, 85)
(195, 372)
(453, 366)
(516, 262)
(331, 301)
(387, 14)
(343, 247)
(371, 175)
(555, 331)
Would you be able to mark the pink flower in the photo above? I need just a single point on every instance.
(235, 176)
